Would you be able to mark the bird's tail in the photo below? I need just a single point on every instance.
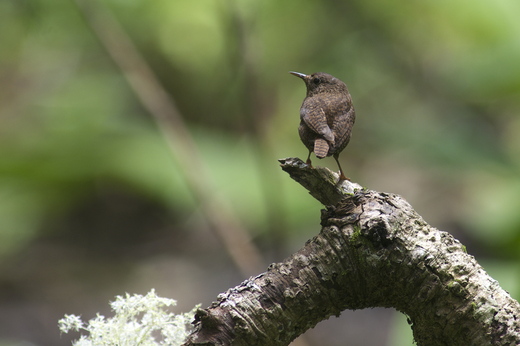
(321, 148)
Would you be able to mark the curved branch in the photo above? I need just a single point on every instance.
(373, 250)
(321, 182)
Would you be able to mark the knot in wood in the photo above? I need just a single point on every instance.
(346, 211)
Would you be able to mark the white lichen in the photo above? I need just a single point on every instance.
(138, 321)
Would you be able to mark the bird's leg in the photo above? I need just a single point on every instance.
(341, 175)
(309, 159)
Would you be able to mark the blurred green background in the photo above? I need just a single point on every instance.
(94, 202)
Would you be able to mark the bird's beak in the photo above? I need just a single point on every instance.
(298, 74)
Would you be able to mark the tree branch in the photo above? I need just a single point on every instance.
(321, 182)
(373, 250)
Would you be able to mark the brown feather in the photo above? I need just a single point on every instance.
(321, 148)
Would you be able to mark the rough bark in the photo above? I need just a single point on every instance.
(373, 250)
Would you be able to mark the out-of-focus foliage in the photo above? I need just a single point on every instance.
(436, 86)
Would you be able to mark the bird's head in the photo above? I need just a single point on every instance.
(321, 82)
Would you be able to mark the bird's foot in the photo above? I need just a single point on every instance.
(342, 176)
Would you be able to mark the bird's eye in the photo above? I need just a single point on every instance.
(316, 80)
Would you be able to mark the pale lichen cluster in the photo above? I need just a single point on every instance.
(138, 321)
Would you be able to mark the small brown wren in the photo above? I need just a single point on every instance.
(326, 116)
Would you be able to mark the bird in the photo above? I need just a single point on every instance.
(327, 116)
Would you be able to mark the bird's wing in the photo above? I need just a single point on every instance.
(343, 122)
(315, 118)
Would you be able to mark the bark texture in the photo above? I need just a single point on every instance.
(373, 250)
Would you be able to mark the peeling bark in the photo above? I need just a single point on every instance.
(373, 250)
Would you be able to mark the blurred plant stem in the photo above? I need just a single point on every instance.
(258, 110)
(162, 108)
